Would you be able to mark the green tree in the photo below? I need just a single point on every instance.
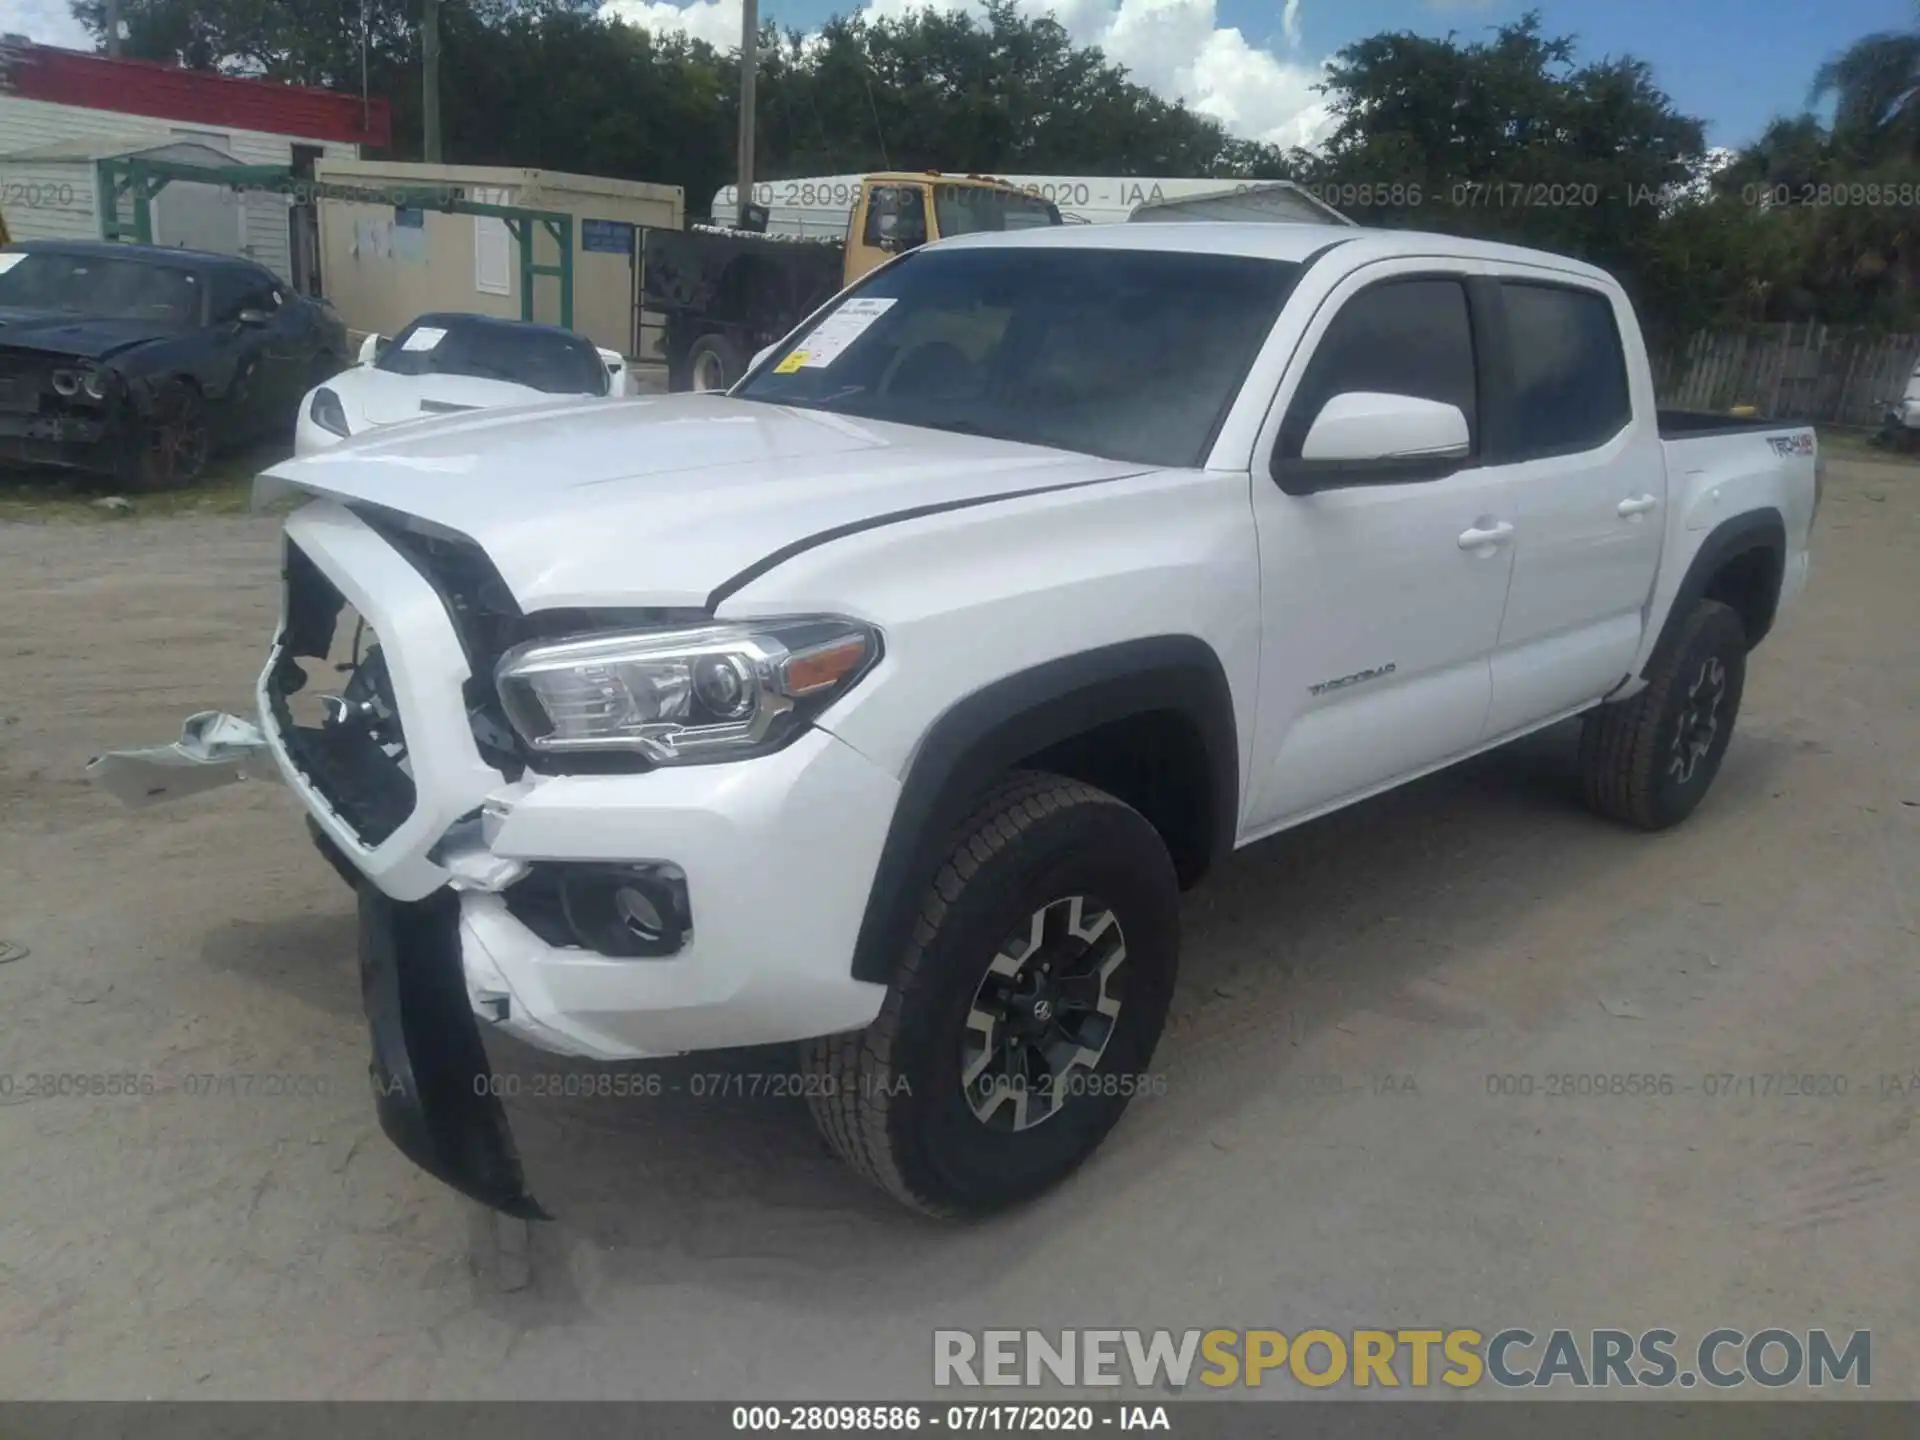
(1508, 138)
(547, 83)
(1875, 86)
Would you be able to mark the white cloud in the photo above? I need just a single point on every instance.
(1176, 48)
(715, 21)
(48, 21)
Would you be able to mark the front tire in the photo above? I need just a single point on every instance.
(173, 443)
(1025, 1012)
(1649, 761)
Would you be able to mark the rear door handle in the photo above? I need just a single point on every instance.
(1487, 539)
(1640, 505)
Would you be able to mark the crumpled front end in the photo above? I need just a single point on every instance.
(63, 411)
(496, 895)
(381, 790)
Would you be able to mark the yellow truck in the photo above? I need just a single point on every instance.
(726, 293)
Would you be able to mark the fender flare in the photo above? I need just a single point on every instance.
(1761, 529)
(986, 733)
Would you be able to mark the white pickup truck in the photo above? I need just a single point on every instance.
(886, 703)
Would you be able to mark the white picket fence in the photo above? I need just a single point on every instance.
(1827, 374)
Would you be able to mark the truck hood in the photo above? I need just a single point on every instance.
(77, 335)
(660, 500)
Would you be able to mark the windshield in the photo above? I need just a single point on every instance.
(545, 360)
(964, 209)
(1128, 354)
(100, 287)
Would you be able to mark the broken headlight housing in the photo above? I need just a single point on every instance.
(83, 382)
(710, 692)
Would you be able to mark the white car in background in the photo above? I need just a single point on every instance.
(444, 364)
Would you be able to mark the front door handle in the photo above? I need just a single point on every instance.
(1639, 505)
(1485, 540)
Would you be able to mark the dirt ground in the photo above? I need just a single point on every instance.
(1327, 1152)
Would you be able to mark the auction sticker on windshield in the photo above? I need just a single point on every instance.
(833, 335)
(425, 338)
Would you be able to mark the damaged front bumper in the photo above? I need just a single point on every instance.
(94, 442)
(432, 1082)
(465, 925)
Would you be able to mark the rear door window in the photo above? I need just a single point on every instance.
(1569, 369)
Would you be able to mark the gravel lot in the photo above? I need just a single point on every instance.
(184, 1244)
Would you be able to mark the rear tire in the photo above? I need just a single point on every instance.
(925, 1102)
(1649, 761)
(713, 363)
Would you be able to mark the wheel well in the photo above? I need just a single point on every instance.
(1149, 720)
(146, 396)
(1157, 763)
(1749, 582)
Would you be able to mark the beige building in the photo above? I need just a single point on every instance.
(381, 264)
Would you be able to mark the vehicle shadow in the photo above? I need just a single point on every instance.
(706, 1171)
(308, 956)
(719, 1181)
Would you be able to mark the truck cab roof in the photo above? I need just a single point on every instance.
(1293, 242)
(944, 177)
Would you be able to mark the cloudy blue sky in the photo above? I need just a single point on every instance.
(1253, 63)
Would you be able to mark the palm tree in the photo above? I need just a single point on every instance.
(1875, 84)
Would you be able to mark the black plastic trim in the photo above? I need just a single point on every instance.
(1310, 477)
(333, 855)
(785, 553)
(986, 733)
(433, 1086)
(1756, 530)
(1696, 424)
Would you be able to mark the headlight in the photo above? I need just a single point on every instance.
(66, 383)
(95, 383)
(719, 691)
(327, 412)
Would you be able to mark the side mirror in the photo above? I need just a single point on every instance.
(370, 349)
(1367, 438)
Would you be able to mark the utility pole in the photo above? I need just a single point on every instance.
(749, 65)
(113, 29)
(430, 81)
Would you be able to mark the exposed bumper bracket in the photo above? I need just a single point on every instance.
(214, 749)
